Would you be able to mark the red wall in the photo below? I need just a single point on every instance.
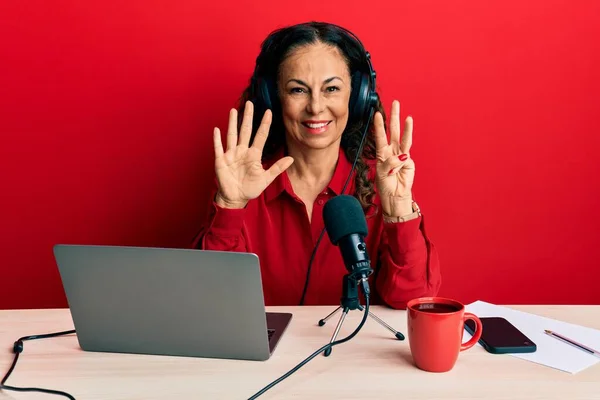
(107, 109)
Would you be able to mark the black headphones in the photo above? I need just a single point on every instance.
(363, 96)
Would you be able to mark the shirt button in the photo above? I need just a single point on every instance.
(320, 202)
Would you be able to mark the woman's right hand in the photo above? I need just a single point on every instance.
(240, 174)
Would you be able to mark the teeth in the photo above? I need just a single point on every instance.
(316, 126)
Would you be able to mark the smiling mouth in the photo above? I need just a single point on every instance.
(316, 127)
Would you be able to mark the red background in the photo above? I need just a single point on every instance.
(107, 109)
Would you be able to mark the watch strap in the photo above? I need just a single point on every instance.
(415, 214)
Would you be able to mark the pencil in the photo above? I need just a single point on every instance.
(573, 343)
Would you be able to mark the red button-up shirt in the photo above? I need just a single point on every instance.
(275, 227)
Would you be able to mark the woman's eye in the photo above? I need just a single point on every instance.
(333, 88)
(297, 90)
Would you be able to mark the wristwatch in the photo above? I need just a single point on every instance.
(415, 214)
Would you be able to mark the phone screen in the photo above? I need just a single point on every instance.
(499, 335)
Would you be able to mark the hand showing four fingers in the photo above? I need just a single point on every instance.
(395, 167)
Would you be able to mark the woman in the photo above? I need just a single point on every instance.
(291, 156)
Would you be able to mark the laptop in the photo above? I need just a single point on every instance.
(176, 302)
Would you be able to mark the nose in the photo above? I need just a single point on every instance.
(316, 104)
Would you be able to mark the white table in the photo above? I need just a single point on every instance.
(373, 365)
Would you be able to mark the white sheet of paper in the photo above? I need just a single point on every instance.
(550, 351)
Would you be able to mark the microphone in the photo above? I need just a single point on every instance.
(347, 227)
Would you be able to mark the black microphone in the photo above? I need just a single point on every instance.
(347, 227)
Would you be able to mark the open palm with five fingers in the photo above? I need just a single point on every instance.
(239, 170)
(395, 167)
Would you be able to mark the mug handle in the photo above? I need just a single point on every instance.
(476, 334)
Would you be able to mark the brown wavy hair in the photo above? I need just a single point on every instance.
(274, 50)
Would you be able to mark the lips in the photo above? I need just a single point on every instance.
(316, 127)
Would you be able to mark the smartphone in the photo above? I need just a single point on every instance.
(499, 336)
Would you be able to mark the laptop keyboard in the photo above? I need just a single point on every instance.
(270, 332)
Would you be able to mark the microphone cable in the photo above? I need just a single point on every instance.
(328, 345)
(18, 349)
(314, 252)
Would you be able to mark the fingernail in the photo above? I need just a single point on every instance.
(391, 171)
(403, 157)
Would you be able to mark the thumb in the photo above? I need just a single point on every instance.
(277, 168)
(390, 166)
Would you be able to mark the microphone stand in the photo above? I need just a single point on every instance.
(349, 301)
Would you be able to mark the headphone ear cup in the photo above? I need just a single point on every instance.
(266, 95)
(362, 97)
(261, 99)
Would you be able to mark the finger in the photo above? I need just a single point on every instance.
(232, 130)
(395, 124)
(391, 166)
(380, 138)
(263, 131)
(277, 168)
(246, 128)
(217, 142)
(407, 136)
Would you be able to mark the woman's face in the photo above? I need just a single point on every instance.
(314, 86)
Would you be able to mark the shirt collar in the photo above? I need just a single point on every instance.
(282, 183)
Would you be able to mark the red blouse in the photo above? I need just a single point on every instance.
(276, 228)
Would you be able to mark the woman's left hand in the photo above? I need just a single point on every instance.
(395, 167)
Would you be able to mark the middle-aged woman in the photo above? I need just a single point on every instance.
(299, 135)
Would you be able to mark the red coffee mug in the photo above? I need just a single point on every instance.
(435, 332)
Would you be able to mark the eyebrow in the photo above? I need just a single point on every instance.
(326, 81)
